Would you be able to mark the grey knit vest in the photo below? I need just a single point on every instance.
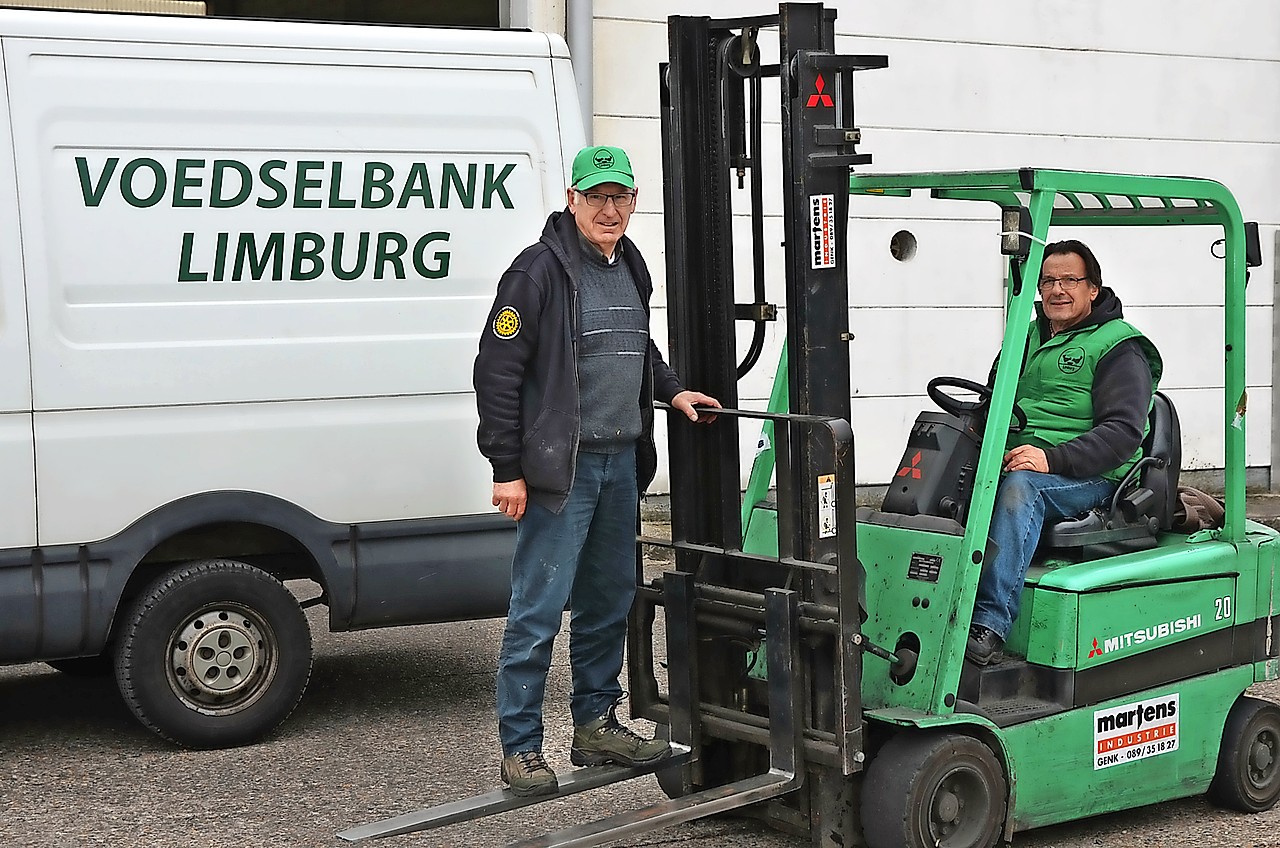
(612, 339)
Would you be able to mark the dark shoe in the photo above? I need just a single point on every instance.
(607, 740)
(528, 774)
(983, 646)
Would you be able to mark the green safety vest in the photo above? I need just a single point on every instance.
(1056, 387)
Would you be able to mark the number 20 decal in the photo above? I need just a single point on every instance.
(1222, 608)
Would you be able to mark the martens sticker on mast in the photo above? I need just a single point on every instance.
(822, 230)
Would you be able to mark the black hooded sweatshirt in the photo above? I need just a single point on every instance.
(525, 373)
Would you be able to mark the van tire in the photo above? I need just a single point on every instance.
(213, 654)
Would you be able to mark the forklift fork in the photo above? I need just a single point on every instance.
(784, 775)
(503, 800)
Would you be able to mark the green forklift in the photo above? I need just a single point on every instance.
(1125, 679)
(1126, 671)
(804, 655)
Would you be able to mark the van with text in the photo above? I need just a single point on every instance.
(245, 266)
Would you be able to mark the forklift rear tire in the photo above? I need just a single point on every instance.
(926, 789)
(1248, 775)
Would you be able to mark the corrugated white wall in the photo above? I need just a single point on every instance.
(1147, 86)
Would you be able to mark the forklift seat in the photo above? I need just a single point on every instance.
(1142, 506)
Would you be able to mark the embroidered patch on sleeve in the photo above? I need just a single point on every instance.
(507, 323)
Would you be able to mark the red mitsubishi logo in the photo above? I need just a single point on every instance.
(1096, 652)
(913, 469)
(820, 99)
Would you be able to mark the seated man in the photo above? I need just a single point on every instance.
(1086, 389)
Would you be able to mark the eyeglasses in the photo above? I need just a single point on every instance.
(598, 199)
(1067, 283)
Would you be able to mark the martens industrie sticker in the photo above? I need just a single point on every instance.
(1135, 731)
(822, 230)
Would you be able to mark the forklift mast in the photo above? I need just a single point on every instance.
(712, 129)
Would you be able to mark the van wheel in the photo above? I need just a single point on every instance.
(1248, 774)
(928, 789)
(214, 654)
(99, 666)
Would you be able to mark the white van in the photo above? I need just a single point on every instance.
(244, 266)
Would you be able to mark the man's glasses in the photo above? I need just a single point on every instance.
(598, 199)
(1067, 283)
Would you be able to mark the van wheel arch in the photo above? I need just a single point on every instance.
(178, 532)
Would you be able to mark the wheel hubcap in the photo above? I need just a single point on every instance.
(959, 808)
(1262, 757)
(947, 809)
(221, 659)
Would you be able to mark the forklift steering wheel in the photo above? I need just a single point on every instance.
(961, 408)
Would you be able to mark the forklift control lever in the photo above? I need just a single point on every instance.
(872, 648)
(902, 665)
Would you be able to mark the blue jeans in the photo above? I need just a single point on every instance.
(1024, 502)
(585, 556)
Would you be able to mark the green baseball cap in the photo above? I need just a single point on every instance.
(595, 165)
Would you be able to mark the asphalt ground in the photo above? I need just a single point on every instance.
(393, 721)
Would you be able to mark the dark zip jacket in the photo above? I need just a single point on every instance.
(526, 373)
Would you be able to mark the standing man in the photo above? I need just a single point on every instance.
(565, 382)
(1086, 389)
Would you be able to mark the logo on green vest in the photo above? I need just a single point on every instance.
(1071, 360)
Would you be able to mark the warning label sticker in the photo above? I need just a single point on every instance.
(1135, 731)
(822, 230)
(826, 505)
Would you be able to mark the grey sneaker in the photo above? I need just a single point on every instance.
(528, 774)
(607, 740)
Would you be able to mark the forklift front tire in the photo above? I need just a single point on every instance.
(1248, 775)
(928, 788)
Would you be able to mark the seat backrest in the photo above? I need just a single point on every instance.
(1104, 532)
(1163, 441)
